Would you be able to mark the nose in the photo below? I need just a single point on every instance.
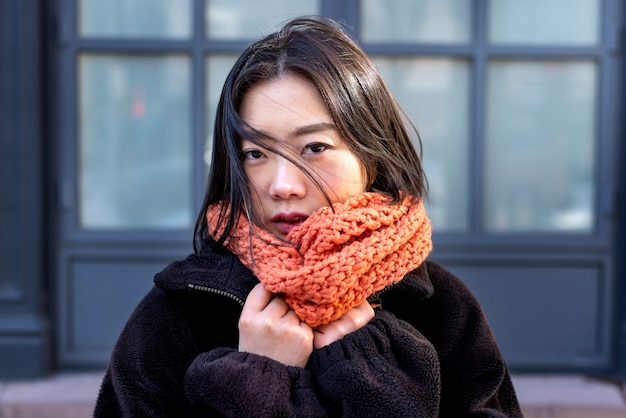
(287, 180)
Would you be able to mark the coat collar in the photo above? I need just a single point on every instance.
(213, 269)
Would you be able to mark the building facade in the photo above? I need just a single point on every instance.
(105, 129)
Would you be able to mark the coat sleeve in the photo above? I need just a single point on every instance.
(474, 375)
(157, 369)
(145, 375)
(387, 368)
(239, 384)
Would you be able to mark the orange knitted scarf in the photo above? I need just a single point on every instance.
(335, 259)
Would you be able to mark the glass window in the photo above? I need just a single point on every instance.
(540, 137)
(169, 19)
(217, 68)
(435, 94)
(434, 21)
(134, 142)
(560, 22)
(249, 19)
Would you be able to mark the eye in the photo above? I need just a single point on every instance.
(252, 154)
(315, 148)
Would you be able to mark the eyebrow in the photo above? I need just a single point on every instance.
(314, 128)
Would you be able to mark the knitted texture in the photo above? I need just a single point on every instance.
(335, 259)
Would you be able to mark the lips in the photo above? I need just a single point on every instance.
(285, 222)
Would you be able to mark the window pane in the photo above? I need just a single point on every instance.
(562, 22)
(540, 146)
(434, 93)
(135, 18)
(249, 19)
(434, 21)
(217, 69)
(134, 142)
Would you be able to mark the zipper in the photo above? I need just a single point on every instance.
(374, 300)
(375, 297)
(217, 292)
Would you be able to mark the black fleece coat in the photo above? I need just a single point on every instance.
(428, 352)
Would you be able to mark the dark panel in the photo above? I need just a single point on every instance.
(98, 295)
(24, 343)
(545, 316)
(620, 230)
(23, 356)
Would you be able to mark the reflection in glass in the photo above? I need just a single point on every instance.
(426, 21)
(559, 22)
(249, 19)
(540, 146)
(134, 142)
(434, 93)
(169, 19)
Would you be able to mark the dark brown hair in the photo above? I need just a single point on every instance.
(365, 113)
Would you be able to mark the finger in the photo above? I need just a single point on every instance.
(356, 317)
(257, 299)
(363, 313)
(277, 307)
(351, 321)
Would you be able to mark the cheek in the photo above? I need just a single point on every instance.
(255, 178)
(256, 191)
(358, 173)
(352, 176)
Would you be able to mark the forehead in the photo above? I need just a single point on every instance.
(286, 102)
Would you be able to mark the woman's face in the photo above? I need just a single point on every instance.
(290, 110)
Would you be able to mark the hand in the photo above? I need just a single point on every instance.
(269, 327)
(349, 322)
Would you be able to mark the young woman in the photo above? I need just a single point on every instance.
(309, 292)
